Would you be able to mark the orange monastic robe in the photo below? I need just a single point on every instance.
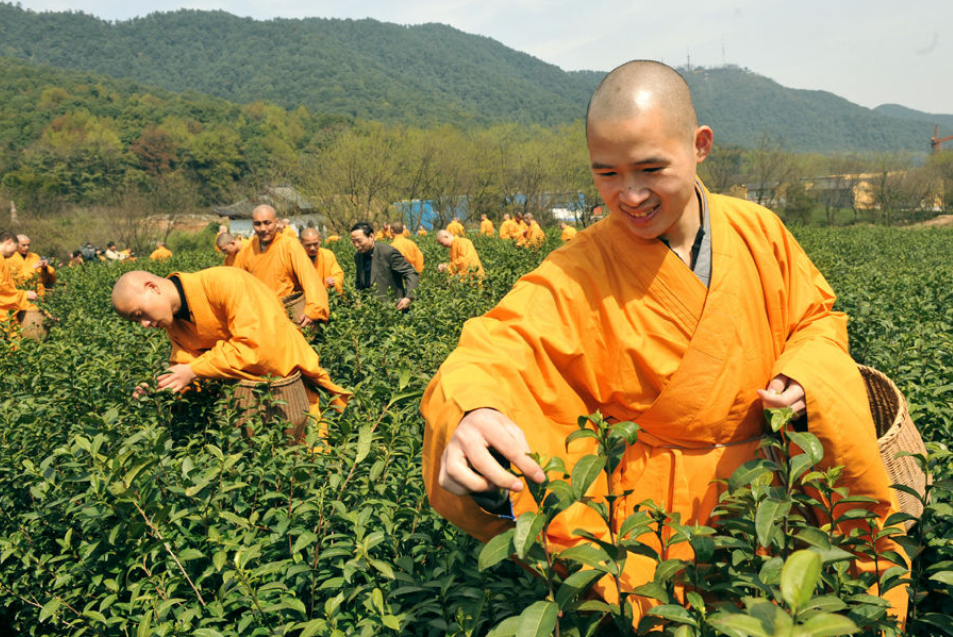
(45, 276)
(286, 268)
(456, 229)
(160, 254)
(532, 237)
(615, 323)
(240, 330)
(464, 260)
(326, 265)
(11, 299)
(509, 229)
(486, 228)
(568, 233)
(288, 231)
(410, 251)
(405, 232)
(422, 232)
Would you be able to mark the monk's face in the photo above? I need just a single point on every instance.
(147, 306)
(362, 242)
(8, 248)
(311, 243)
(645, 171)
(23, 247)
(232, 247)
(265, 226)
(445, 241)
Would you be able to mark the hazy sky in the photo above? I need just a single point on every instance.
(868, 51)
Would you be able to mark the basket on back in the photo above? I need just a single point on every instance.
(896, 432)
(289, 390)
(32, 324)
(294, 305)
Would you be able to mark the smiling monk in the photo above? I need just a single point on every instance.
(223, 323)
(684, 311)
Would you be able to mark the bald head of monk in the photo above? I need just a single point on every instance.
(397, 227)
(8, 244)
(644, 146)
(311, 241)
(23, 244)
(444, 238)
(264, 221)
(228, 243)
(146, 298)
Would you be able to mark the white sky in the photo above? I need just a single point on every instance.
(870, 52)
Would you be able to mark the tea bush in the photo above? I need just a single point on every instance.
(159, 518)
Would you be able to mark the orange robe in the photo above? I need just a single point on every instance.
(326, 265)
(239, 330)
(45, 276)
(568, 233)
(286, 268)
(405, 232)
(422, 232)
(160, 254)
(532, 237)
(410, 251)
(288, 231)
(509, 229)
(615, 323)
(456, 229)
(464, 260)
(332, 238)
(486, 228)
(12, 299)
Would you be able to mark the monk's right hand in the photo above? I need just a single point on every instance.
(31, 296)
(141, 391)
(467, 466)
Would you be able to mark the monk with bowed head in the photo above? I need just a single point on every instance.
(325, 263)
(568, 232)
(223, 323)
(456, 228)
(464, 261)
(281, 263)
(161, 253)
(486, 226)
(509, 229)
(533, 236)
(685, 312)
(229, 245)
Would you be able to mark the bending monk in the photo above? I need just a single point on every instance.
(464, 260)
(281, 263)
(223, 323)
(683, 311)
(229, 245)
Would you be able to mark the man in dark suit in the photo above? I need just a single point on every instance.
(382, 267)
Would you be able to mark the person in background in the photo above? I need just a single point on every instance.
(456, 228)
(568, 232)
(382, 268)
(486, 226)
(325, 263)
(13, 301)
(161, 253)
(464, 261)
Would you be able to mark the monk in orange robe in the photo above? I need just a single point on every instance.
(12, 300)
(509, 229)
(407, 247)
(222, 229)
(281, 263)
(533, 236)
(456, 228)
(161, 253)
(230, 246)
(486, 226)
(223, 323)
(464, 260)
(287, 229)
(568, 231)
(683, 311)
(421, 232)
(325, 263)
(30, 268)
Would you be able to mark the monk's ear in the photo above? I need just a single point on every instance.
(704, 138)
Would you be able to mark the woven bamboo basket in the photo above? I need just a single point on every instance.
(289, 390)
(294, 305)
(32, 324)
(896, 432)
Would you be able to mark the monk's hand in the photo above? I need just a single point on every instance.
(141, 391)
(403, 304)
(783, 392)
(304, 321)
(177, 378)
(329, 282)
(31, 296)
(442, 267)
(468, 466)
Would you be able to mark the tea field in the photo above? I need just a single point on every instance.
(159, 518)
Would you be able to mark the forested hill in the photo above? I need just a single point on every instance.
(420, 75)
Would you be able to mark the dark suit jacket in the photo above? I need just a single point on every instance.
(391, 274)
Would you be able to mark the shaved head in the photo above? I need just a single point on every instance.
(310, 233)
(636, 87)
(265, 225)
(444, 238)
(223, 238)
(397, 227)
(145, 298)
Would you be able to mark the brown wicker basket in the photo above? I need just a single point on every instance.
(32, 324)
(896, 432)
(290, 390)
(294, 305)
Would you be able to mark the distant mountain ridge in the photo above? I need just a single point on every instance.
(423, 75)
